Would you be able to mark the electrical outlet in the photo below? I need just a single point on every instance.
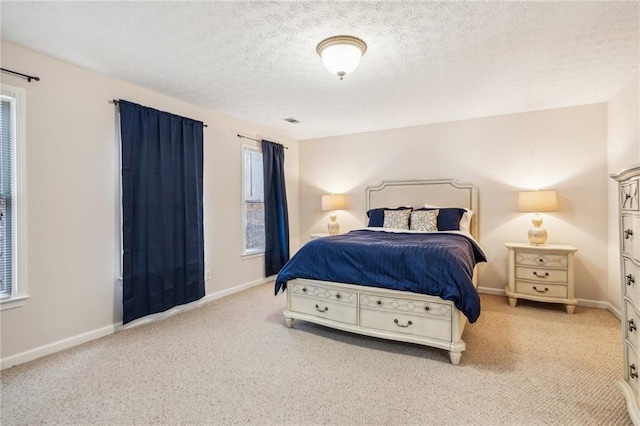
(207, 274)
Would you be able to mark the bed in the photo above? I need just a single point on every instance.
(360, 282)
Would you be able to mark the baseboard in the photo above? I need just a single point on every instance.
(58, 346)
(79, 339)
(581, 302)
(492, 291)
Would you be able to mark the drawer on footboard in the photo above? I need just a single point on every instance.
(410, 306)
(324, 308)
(322, 292)
(399, 322)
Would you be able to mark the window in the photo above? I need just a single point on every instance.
(253, 200)
(12, 271)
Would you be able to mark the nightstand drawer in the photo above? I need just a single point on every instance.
(542, 289)
(324, 309)
(542, 274)
(397, 322)
(526, 258)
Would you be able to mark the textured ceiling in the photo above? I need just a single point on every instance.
(426, 62)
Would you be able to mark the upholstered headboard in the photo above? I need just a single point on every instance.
(437, 192)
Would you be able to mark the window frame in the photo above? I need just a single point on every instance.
(247, 253)
(19, 294)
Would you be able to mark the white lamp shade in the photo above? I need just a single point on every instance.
(341, 54)
(537, 201)
(333, 202)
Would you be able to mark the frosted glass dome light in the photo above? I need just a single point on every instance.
(341, 54)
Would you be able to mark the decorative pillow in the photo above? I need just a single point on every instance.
(448, 218)
(376, 216)
(397, 219)
(424, 220)
(465, 222)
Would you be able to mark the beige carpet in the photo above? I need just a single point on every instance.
(233, 361)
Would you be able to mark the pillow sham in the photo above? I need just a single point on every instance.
(424, 220)
(465, 222)
(448, 218)
(396, 219)
(376, 216)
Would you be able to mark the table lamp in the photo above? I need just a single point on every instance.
(332, 203)
(537, 202)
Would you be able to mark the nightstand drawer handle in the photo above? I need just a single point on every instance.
(379, 302)
(326, 308)
(630, 280)
(632, 325)
(338, 296)
(400, 325)
(546, 289)
(632, 371)
(546, 274)
(426, 308)
(304, 289)
(628, 233)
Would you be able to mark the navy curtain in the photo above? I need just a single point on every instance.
(276, 215)
(163, 241)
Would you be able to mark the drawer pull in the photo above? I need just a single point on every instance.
(546, 274)
(546, 289)
(628, 233)
(541, 260)
(338, 296)
(632, 325)
(379, 302)
(304, 289)
(632, 371)
(400, 325)
(630, 280)
(426, 308)
(326, 308)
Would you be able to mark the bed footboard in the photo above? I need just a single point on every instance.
(377, 312)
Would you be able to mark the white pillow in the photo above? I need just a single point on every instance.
(465, 220)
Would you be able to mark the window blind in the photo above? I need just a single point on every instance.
(7, 142)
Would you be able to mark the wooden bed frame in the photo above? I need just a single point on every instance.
(384, 313)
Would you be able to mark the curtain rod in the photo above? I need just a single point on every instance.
(116, 102)
(28, 77)
(254, 139)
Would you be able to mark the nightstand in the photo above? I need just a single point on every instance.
(542, 273)
(318, 235)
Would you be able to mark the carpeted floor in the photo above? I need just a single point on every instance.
(233, 361)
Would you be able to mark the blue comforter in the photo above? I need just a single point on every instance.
(439, 264)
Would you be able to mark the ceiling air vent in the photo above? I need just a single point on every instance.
(291, 120)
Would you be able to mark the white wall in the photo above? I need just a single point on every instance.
(623, 149)
(73, 200)
(562, 149)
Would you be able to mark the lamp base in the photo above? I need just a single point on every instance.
(333, 227)
(537, 235)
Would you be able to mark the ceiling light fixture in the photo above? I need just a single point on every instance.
(341, 54)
